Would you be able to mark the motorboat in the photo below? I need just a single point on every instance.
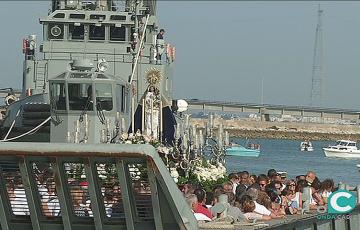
(240, 151)
(306, 146)
(343, 149)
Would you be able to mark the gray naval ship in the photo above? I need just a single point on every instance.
(95, 62)
(102, 74)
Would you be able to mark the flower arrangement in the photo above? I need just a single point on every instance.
(202, 172)
(132, 138)
(209, 172)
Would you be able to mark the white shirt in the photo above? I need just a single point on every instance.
(200, 216)
(19, 203)
(261, 209)
(326, 194)
(234, 187)
(297, 198)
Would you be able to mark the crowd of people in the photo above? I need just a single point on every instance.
(249, 197)
(244, 197)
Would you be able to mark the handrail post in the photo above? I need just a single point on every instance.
(4, 205)
(31, 192)
(124, 185)
(95, 194)
(63, 195)
(154, 196)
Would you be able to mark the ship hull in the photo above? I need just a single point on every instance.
(240, 151)
(341, 153)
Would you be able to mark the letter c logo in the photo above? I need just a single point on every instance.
(341, 201)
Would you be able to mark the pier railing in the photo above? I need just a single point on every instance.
(72, 186)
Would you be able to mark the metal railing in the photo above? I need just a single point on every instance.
(270, 106)
(73, 186)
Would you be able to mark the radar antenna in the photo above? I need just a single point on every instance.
(317, 69)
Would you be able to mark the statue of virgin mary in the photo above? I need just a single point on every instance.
(152, 104)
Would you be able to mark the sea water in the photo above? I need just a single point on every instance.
(285, 155)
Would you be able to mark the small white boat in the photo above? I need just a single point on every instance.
(343, 149)
(358, 166)
(306, 146)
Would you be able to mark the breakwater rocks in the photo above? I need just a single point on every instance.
(291, 135)
(285, 130)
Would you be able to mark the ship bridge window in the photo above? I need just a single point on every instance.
(80, 96)
(102, 76)
(98, 16)
(120, 98)
(76, 32)
(56, 31)
(77, 16)
(118, 17)
(104, 99)
(343, 143)
(97, 32)
(59, 15)
(81, 75)
(351, 144)
(117, 33)
(58, 95)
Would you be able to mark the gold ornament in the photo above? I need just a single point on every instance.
(153, 76)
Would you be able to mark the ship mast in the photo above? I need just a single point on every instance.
(138, 10)
(317, 69)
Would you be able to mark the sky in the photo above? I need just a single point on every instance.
(241, 51)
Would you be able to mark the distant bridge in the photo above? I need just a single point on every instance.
(268, 109)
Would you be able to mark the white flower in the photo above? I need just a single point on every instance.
(174, 173)
(138, 134)
(124, 136)
(147, 138)
(209, 172)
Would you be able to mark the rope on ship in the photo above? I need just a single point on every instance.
(28, 132)
(12, 124)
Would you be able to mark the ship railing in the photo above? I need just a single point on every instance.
(109, 57)
(74, 186)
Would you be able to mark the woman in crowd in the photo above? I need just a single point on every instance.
(290, 206)
(315, 194)
(276, 203)
(294, 195)
(327, 187)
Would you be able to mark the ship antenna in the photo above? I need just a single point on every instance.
(139, 50)
(85, 41)
(317, 69)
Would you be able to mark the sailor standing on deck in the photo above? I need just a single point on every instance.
(160, 45)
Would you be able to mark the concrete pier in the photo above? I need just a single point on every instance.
(311, 221)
